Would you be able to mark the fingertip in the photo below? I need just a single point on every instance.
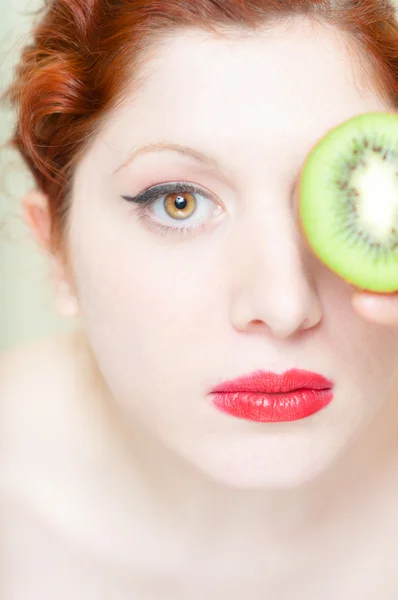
(378, 308)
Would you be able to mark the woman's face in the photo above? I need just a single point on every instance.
(170, 312)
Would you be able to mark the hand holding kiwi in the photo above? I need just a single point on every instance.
(349, 210)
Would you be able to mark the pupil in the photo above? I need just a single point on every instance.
(181, 203)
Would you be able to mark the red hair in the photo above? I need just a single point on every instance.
(85, 52)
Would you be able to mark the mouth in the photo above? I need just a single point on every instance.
(269, 397)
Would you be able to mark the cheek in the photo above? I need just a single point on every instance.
(365, 353)
(148, 311)
(147, 292)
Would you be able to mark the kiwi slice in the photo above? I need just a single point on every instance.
(348, 202)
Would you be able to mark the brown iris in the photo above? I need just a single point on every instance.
(180, 206)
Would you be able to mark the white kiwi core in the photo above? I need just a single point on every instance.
(377, 203)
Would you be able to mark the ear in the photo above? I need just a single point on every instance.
(37, 218)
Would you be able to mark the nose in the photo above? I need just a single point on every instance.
(271, 283)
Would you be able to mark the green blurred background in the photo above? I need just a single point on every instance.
(27, 308)
(26, 296)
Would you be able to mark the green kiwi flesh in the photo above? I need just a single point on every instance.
(349, 201)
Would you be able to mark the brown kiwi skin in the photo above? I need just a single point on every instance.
(308, 242)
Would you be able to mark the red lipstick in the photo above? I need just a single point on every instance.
(268, 397)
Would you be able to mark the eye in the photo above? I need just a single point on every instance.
(168, 204)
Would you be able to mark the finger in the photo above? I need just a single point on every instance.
(378, 308)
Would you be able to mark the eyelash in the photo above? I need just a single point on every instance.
(147, 198)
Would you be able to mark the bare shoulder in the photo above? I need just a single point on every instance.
(39, 363)
(39, 388)
(57, 509)
(33, 377)
(36, 380)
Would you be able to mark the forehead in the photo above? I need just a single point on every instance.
(196, 69)
(274, 92)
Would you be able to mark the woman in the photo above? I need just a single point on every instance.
(122, 474)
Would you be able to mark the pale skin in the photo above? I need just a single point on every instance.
(102, 500)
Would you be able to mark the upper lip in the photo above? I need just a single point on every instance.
(272, 383)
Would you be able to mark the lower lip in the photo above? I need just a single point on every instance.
(273, 408)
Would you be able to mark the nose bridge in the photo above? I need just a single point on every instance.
(270, 281)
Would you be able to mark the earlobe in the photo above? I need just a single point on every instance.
(65, 300)
(38, 220)
(37, 217)
(65, 293)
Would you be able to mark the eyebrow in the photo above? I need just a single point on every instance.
(198, 156)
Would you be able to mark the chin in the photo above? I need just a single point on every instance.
(265, 465)
(279, 478)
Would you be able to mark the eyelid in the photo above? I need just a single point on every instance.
(154, 192)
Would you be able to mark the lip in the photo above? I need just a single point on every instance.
(268, 397)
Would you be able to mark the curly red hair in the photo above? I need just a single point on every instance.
(85, 54)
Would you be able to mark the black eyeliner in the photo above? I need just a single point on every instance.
(165, 188)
